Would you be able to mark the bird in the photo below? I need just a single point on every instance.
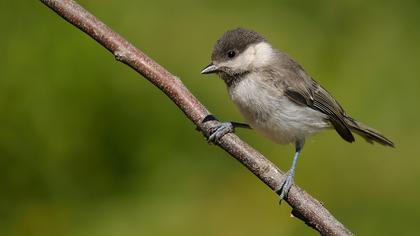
(277, 97)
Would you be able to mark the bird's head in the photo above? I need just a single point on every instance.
(238, 52)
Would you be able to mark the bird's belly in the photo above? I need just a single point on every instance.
(276, 117)
(286, 123)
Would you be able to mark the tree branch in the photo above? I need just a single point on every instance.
(305, 207)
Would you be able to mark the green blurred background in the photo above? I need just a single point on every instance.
(89, 147)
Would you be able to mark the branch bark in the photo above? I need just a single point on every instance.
(304, 207)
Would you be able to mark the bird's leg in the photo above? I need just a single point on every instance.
(219, 131)
(287, 181)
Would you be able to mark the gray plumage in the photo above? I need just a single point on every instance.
(284, 77)
(277, 97)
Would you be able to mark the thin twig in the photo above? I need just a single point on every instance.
(305, 207)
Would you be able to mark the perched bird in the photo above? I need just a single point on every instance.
(277, 97)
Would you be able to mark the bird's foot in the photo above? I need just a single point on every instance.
(219, 131)
(285, 185)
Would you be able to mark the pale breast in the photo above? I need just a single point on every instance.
(272, 114)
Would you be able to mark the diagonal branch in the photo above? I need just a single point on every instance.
(305, 207)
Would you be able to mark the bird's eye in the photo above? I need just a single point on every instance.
(231, 54)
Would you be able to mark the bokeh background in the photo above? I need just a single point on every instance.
(89, 147)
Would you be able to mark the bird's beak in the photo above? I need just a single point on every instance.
(210, 69)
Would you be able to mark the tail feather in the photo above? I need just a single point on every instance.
(369, 134)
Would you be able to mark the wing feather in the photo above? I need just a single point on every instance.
(303, 90)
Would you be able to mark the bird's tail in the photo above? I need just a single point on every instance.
(369, 134)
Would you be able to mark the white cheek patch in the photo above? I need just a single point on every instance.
(255, 56)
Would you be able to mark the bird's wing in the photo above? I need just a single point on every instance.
(307, 92)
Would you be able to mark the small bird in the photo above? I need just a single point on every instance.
(277, 97)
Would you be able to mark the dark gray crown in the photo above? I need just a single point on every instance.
(237, 39)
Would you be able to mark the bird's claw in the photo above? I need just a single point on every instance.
(285, 185)
(217, 132)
